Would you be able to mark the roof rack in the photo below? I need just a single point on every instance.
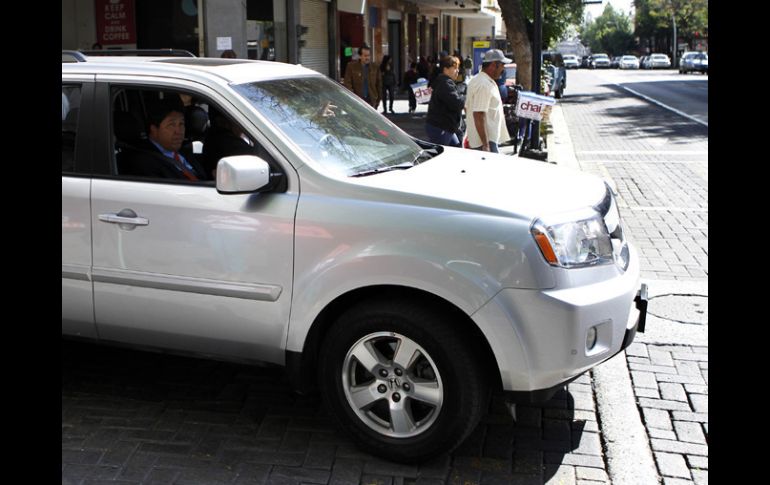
(72, 56)
(139, 52)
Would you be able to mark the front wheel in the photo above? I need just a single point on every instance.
(401, 380)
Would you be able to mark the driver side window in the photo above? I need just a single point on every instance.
(173, 135)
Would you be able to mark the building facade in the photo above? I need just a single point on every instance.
(323, 35)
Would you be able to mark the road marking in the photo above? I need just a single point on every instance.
(667, 209)
(645, 152)
(655, 101)
(645, 161)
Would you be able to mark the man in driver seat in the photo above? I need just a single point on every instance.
(163, 155)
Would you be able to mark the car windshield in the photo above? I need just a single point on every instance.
(601, 56)
(332, 126)
(658, 56)
(629, 58)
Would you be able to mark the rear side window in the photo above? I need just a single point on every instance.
(70, 110)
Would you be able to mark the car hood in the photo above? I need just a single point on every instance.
(494, 183)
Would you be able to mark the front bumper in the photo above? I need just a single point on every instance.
(542, 395)
(540, 338)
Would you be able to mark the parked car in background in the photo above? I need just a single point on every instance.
(571, 61)
(329, 249)
(658, 61)
(615, 62)
(600, 61)
(643, 62)
(629, 62)
(585, 62)
(694, 61)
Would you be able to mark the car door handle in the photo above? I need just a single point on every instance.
(127, 217)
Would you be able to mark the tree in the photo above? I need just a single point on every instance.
(610, 32)
(518, 16)
(653, 19)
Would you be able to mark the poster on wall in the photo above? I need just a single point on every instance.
(115, 25)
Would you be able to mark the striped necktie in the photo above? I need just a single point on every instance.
(185, 171)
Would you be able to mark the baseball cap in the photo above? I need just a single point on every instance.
(493, 55)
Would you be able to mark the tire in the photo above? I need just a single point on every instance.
(371, 386)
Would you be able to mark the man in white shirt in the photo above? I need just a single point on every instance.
(483, 106)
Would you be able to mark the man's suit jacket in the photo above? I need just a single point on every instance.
(146, 160)
(354, 80)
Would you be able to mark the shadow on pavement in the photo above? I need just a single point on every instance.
(131, 415)
(639, 121)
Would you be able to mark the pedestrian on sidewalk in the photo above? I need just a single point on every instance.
(363, 77)
(484, 107)
(468, 66)
(410, 77)
(388, 83)
(446, 105)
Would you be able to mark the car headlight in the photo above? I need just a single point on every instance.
(583, 241)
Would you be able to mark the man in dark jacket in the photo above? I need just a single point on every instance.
(446, 105)
(162, 154)
(363, 77)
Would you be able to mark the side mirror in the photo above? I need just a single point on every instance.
(242, 174)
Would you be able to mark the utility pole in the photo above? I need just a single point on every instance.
(537, 59)
(676, 45)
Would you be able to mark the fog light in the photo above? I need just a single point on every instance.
(591, 338)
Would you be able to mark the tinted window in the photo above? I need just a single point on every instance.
(70, 109)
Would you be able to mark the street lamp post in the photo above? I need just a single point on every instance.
(676, 46)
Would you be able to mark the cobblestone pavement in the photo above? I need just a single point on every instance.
(133, 417)
(659, 163)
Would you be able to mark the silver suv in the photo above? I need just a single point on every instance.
(404, 280)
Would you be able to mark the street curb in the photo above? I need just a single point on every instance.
(628, 453)
(629, 457)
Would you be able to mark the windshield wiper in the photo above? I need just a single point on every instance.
(424, 153)
(401, 166)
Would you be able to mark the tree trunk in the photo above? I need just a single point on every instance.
(516, 27)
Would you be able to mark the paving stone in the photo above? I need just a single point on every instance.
(298, 474)
(672, 465)
(527, 462)
(689, 432)
(688, 368)
(676, 481)
(644, 379)
(583, 473)
(672, 392)
(700, 403)
(561, 474)
(346, 472)
(644, 392)
(700, 477)
(574, 459)
(688, 416)
(657, 369)
(696, 389)
(661, 433)
(663, 404)
(252, 473)
(678, 447)
(698, 462)
(587, 444)
(660, 357)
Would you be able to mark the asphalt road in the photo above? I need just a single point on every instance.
(685, 93)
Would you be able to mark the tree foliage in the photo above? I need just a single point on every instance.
(518, 16)
(610, 32)
(653, 18)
